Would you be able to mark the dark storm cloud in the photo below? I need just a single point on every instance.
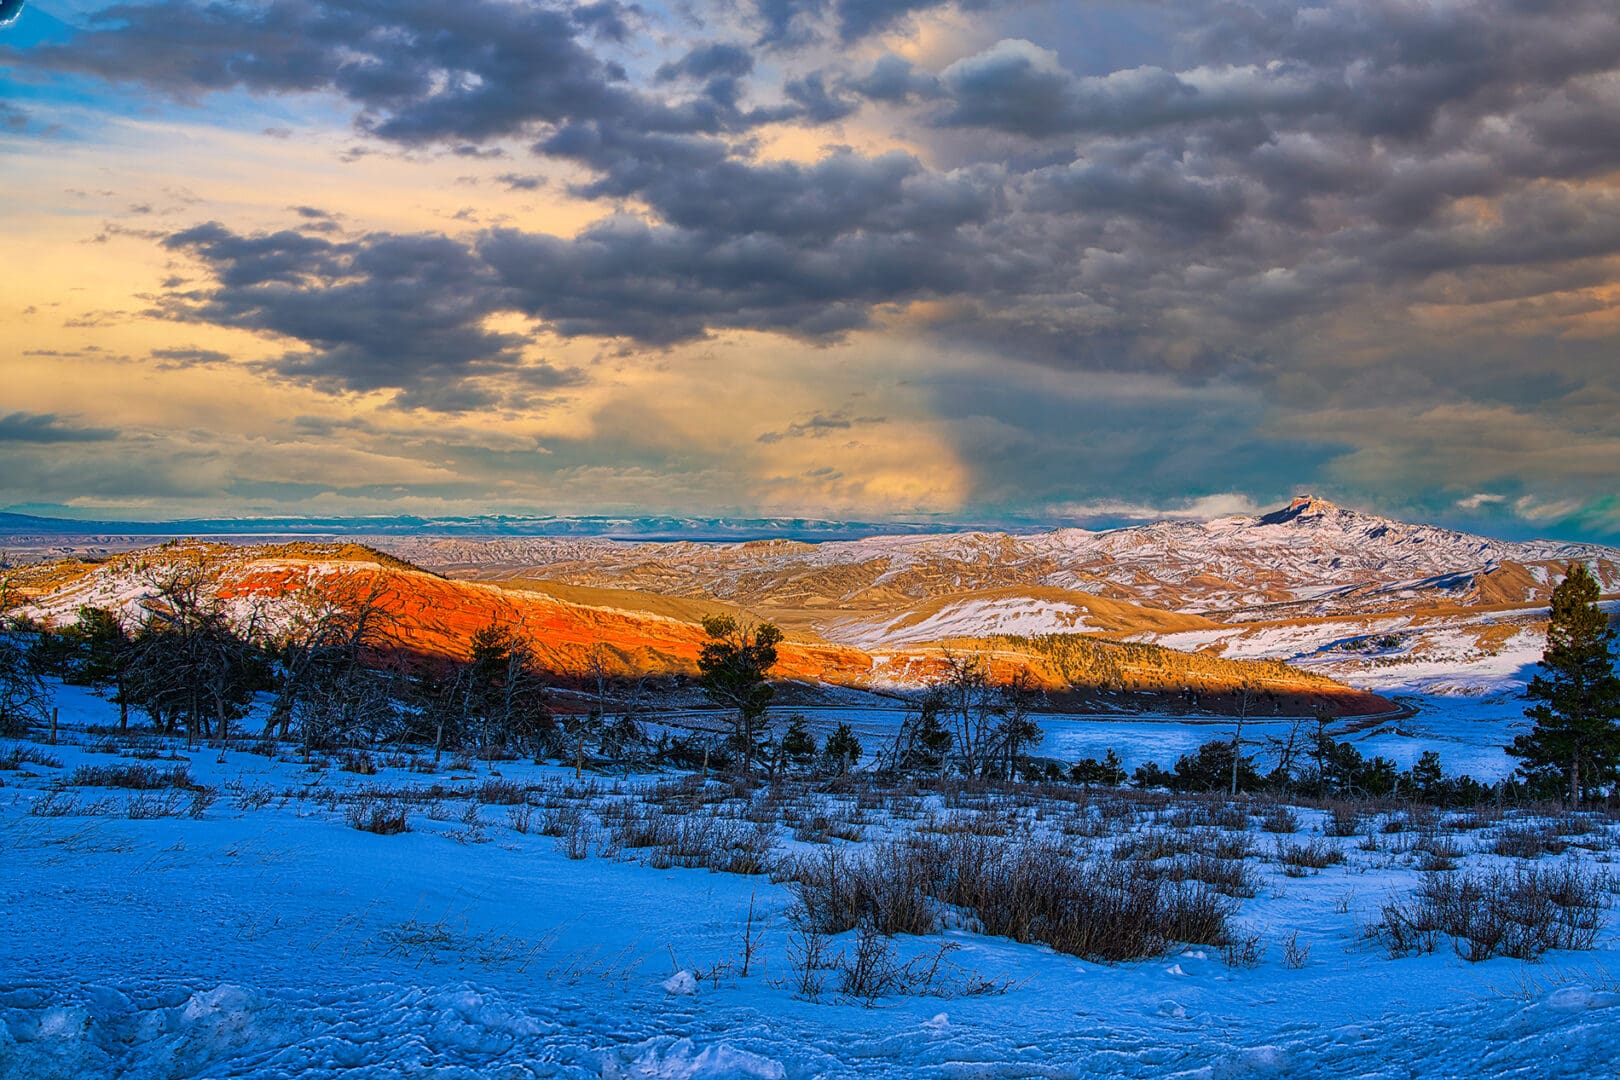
(715, 59)
(797, 22)
(1021, 88)
(25, 427)
(383, 312)
(894, 79)
(661, 285)
(843, 193)
(420, 71)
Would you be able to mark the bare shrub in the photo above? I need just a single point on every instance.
(376, 814)
(1344, 819)
(1437, 853)
(886, 888)
(357, 761)
(500, 792)
(134, 777)
(1229, 877)
(145, 805)
(1518, 912)
(55, 804)
(247, 796)
(1299, 858)
(1280, 819)
(19, 754)
(1528, 841)
(707, 838)
(576, 841)
(807, 959)
(1294, 954)
(1026, 890)
(871, 970)
(1244, 949)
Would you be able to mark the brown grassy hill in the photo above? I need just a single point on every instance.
(646, 634)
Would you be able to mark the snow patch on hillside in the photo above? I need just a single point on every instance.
(966, 618)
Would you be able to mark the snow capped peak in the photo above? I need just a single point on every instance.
(1301, 506)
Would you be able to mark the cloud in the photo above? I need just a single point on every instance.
(1202, 508)
(819, 426)
(522, 181)
(1479, 500)
(418, 71)
(26, 427)
(187, 357)
(792, 23)
(710, 60)
(383, 312)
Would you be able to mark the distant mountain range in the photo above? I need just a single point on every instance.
(639, 528)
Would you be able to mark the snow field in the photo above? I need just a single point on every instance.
(266, 937)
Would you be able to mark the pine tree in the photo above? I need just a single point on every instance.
(1577, 694)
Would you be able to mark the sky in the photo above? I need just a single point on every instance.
(984, 261)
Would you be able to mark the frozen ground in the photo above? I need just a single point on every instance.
(268, 938)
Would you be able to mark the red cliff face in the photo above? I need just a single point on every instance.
(438, 617)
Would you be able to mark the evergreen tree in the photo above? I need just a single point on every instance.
(1427, 776)
(1212, 768)
(1109, 772)
(843, 749)
(506, 697)
(923, 743)
(731, 670)
(1577, 694)
(104, 655)
(798, 745)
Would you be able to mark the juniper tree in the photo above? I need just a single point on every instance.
(923, 744)
(105, 653)
(798, 745)
(1110, 771)
(1577, 693)
(843, 750)
(505, 694)
(731, 670)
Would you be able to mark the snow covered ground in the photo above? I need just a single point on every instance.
(265, 937)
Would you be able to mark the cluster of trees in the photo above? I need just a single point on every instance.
(1087, 661)
(1321, 767)
(193, 661)
(967, 725)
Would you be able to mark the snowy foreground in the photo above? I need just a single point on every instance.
(164, 933)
